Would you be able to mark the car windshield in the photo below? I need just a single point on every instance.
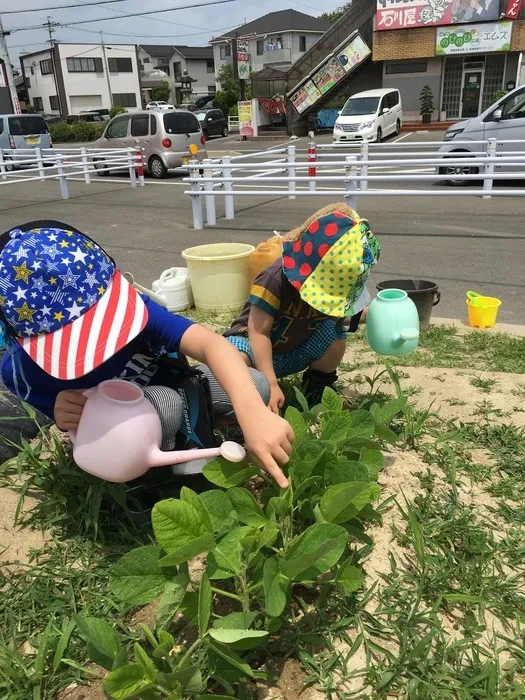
(358, 106)
(181, 123)
(25, 126)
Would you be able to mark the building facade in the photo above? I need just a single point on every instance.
(70, 78)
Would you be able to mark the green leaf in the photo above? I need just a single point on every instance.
(41, 656)
(419, 543)
(143, 660)
(189, 551)
(343, 502)
(338, 428)
(232, 658)
(276, 588)
(190, 679)
(227, 474)
(171, 600)
(149, 636)
(390, 410)
(315, 552)
(332, 401)
(232, 636)
(305, 485)
(248, 510)
(189, 496)
(465, 598)
(225, 560)
(137, 577)
(350, 579)
(62, 644)
(100, 635)
(233, 621)
(386, 434)
(374, 462)
(205, 598)
(178, 524)
(356, 529)
(363, 425)
(301, 399)
(307, 457)
(296, 420)
(345, 470)
(278, 507)
(125, 682)
(219, 508)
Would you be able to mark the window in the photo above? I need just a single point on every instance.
(46, 67)
(28, 82)
(411, 67)
(226, 51)
(54, 103)
(273, 43)
(140, 125)
(514, 107)
(32, 70)
(302, 44)
(84, 65)
(120, 65)
(145, 60)
(153, 124)
(212, 89)
(392, 100)
(38, 104)
(27, 125)
(118, 129)
(181, 123)
(210, 66)
(125, 99)
(260, 47)
(177, 68)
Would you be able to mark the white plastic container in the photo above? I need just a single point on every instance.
(175, 287)
(219, 274)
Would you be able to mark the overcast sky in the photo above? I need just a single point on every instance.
(190, 26)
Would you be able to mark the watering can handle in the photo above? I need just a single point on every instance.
(473, 295)
(167, 275)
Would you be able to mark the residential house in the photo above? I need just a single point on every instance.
(69, 78)
(182, 67)
(279, 38)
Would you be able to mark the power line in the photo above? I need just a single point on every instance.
(57, 7)
(151, 19)
(133, 14)
(155, 36)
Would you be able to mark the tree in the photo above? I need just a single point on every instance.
(230, 92)
(162, 92)
(426, 99)
(336, 14)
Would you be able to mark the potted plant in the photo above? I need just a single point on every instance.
(427, 104)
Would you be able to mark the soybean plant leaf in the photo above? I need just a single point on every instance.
(188, 551)
(180, 531)
(315, 552)
(307, 457)
(332, 401)
(205, 597)
(171, 601)
(351, 579)
(276, 588)
(345, 470)
(356, 529)
(194, 499)
(220, 510)
(137, 577)
(225, 560)
(232, 658)
(100, 635)
(386, 434)
(374, 462)
(190, 678)
(391, 409)
(125, 682)
(303, 487)
(343, 502)
(190, 608)
(296, 420)
(278, 507)
(227, 474)
(268, 535)
(338, 428)
(233, 621)
(301, 399)
(248, 510)
(232, 636)
(143, 660)
(363, 425)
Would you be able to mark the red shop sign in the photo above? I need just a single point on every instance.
(513, 9)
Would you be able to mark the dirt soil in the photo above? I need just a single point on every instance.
(16, 543)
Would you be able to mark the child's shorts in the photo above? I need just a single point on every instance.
(302, 357)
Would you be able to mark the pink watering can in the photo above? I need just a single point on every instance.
(120, 432)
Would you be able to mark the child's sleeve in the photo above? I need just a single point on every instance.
(165, 328)
(267, 289)
(29, 383)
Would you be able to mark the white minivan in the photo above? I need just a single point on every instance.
(504, 120)
(370, 116)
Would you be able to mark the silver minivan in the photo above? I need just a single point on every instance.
(22, 133)
(504, 120)
(164, 137)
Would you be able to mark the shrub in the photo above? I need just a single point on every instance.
(61, 132)
(117, 110)
(161, 92)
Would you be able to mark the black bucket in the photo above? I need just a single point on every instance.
(424, 294)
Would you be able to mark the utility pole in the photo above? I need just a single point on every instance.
(106, 69)
(4, 55)
(51, 26)
(235, 57)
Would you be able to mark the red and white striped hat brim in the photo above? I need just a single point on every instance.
(84, 344)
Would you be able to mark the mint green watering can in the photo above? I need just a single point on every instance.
(392, 324)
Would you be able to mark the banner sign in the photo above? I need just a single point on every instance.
(246, 118)
(474, 38)
(243, 59)
(407, 14)
(513, 9)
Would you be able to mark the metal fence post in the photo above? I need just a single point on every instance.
(351, 182)
(2, 165)
(229, 204)
(62, 176)
(131, 166)
(291, 171)
(139, 155)
(312, 170)
(211, 216)
(488, 181)
(85, 165)
(365, 153)
(40, 162)
(196, 199)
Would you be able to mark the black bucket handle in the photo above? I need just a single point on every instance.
(438, 297)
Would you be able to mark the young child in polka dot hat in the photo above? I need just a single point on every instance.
(296, 316)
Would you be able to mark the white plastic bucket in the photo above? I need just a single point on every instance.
(219, 275)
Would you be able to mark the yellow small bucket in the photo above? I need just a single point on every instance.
(484, 313)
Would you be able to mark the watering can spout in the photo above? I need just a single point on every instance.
(407, 334)
(229, 450)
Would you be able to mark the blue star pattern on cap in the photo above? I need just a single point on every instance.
(49, 277)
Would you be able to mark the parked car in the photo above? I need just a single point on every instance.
(213, 123)
(104, 113)
(84, 117)
(204, 102)
(164, 138)
(159, 104)
(504, 120)
(54, 120)
(370, 116)
(25, 132)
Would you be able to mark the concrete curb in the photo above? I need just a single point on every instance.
(508, 328)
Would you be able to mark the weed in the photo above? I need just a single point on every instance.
(485, 385)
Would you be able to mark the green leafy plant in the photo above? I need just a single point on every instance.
(161, 92)
(426, 98)
(62, 132)
(266, 551)
(114, 111)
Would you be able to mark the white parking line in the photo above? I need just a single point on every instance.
(405, 136)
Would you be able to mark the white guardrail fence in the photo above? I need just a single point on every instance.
(32, 164)
(348, 171)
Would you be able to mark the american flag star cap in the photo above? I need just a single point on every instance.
(69, 307)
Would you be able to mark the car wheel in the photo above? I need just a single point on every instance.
(225, 132)
(379, 136)
(398, 127)
(454, 171)
(157, 168)
(8, 165)
(99, 167)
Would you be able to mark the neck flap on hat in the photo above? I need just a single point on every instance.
(330, 264)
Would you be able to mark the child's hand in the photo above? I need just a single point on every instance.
(68, 409)
(277, 398)
(269, 440)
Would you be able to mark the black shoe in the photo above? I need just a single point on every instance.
(314, 384)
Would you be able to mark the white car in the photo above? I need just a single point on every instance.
(370, 116)
(159, 104)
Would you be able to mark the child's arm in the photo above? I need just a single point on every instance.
(260, 326)
(268, 437)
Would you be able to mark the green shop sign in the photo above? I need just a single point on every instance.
(473, 38)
